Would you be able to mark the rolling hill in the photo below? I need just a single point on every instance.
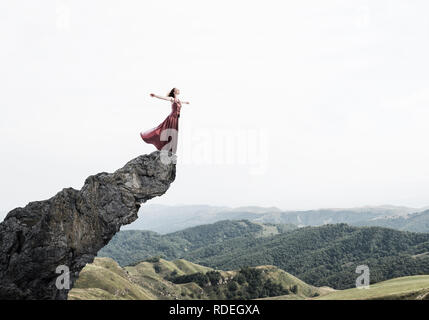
(159, 279)
(404, 288)
(321, 256)
(326, 255)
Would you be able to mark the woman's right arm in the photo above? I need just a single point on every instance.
(161, 97)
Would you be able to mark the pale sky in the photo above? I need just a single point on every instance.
(330, 98)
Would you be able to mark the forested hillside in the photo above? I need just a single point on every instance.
(327, 255)
(321, 256)
(132, 246)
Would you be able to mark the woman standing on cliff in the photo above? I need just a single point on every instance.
(164, 136)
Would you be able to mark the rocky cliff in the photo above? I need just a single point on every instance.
(69, 229)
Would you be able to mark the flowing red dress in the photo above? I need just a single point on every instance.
(153, 136)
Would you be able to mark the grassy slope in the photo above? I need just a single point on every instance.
(413, 287)
(404, 288)
(144, 275)
(104, 279)
(280, 276)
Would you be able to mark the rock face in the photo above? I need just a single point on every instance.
(71, 227)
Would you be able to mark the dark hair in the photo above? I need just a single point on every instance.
(172, 94)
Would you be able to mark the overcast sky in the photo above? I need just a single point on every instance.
(323, 104)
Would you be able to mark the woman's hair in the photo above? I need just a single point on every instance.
(172, 94)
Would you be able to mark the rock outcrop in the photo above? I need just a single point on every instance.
(71, 227)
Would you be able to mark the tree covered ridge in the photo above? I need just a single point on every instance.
(131, 246)
(329, 255)
(248, 283)
(321, 256)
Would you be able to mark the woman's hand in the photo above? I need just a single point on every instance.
(161, 97)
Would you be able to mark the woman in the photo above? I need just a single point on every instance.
(169, 126)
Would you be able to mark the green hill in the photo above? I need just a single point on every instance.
(413, 287)
(321, 256)
(180, 279)
(131, 246)
(159, 279)
(404, 288)
(327, 255)
(104, 279)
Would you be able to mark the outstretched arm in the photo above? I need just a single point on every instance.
(161, 97)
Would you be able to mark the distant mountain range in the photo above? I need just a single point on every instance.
(166, 219)
(321, 256)
(416, 222)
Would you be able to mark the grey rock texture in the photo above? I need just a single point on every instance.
(71, 227)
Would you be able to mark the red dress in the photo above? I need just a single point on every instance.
(154, 137)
